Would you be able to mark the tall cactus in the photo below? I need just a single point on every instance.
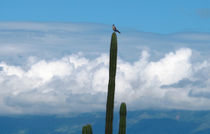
(87, 129)
(111, 84)
(110, 97)
(122, 124)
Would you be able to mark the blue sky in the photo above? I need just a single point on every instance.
(54, 55)
(160, 16)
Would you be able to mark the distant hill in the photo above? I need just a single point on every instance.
(138, 122)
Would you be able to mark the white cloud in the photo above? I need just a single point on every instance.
(61, 68)
(46, 71)
(165, 70)
(76, 82)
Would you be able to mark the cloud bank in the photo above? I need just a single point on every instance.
(46, 80)
(75, 82)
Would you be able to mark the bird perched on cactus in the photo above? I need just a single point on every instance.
(111, 84)
(115, 29)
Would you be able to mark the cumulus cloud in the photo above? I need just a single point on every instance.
(55, 68)
(76, 82)
(165, 70)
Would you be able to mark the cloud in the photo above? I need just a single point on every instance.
(165, 70)
(56, 68)
(75, 82)
(19, 40)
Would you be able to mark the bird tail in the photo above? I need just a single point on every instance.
(118, 31)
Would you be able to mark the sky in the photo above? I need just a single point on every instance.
(54, 56)
(160, 16)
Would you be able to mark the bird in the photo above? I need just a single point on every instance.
(115, 29)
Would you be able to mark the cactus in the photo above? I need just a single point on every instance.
(87, 129)
(122, 124)
(110, 97)
(111, 84)
(84, 130)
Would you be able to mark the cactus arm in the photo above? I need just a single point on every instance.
(122, 123)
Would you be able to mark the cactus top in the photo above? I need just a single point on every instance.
(123, 109)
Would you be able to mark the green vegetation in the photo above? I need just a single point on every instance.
(122, 124)
(111, 93)
(111, 85)
(87, 129)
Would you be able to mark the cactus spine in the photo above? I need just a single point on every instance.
(122, 124)
(87, 129)
(111, 84)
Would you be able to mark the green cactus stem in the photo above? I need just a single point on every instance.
(84, 130)
(122, 123)
(111, 85)
(87, 129)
